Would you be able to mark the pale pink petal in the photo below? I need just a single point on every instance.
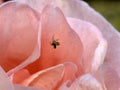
(18, 35)
(36, 4)
(94, 44)
(85, 82)
(47, 78)
(52, 77)
(70, 72)
(112, 59)
(20, 87)
(5, 83)
(111, 78)
(56, 28)
(80, 9)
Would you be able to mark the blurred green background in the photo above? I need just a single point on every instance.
(109, 9)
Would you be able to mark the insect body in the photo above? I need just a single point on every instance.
(55, 43)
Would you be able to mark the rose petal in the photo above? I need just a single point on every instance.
(36, 4)
(47, 79)
(111, 78)
(70, 71)
(85, 82)
(33, 57)
(63, 33)
(52, 77)
(20, 75)
(80, 9)
(108, 31)
(56, 28)
(18, 34)
(94, 44)
(5, 83)
(20, 87)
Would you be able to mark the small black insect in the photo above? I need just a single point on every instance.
(55, 43)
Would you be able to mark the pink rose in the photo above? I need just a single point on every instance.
(57, 45)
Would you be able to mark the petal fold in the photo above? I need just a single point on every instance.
(18, 35)
(95, 46)
(85, 82)
(47, 79)
(20, 76)
(52, 77)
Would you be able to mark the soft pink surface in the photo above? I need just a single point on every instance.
(26, 36)
(18, 34)
(81, 10)
(53, 29)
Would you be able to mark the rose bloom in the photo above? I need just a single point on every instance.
(57, 45)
